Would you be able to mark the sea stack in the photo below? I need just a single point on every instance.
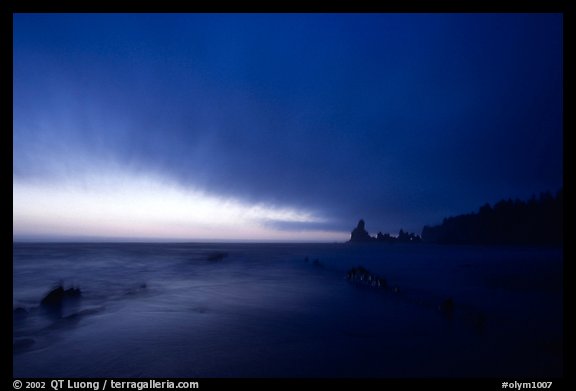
(359, 234)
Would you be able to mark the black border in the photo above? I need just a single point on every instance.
(318, 6)
(9, 7)
(6, 97)
(315, 384)
(568, 220)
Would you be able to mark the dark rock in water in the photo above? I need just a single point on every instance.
(362, 276)
(58, 295)
(357, 273)
(359, 234)
(217, 256)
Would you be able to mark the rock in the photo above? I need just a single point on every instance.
(359, 234)
(362, 276)
(58, 295)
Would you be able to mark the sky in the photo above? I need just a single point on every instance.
(278, 127)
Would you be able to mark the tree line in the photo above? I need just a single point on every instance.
(537, 221)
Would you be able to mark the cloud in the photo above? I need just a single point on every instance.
(292, 121)
(123, 204)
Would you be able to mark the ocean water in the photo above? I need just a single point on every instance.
(287, 310)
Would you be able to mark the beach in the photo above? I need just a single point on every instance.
(287, 310)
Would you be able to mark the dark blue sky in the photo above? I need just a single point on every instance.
(402, 119)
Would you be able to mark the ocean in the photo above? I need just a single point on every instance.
(197, 310)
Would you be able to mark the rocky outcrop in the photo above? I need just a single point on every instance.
(57, 296)
(359, 234)
(361, 276)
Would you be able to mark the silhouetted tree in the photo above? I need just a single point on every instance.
(536, 221)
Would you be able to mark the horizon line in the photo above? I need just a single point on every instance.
(159, 241)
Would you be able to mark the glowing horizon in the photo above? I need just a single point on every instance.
(135, 206)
